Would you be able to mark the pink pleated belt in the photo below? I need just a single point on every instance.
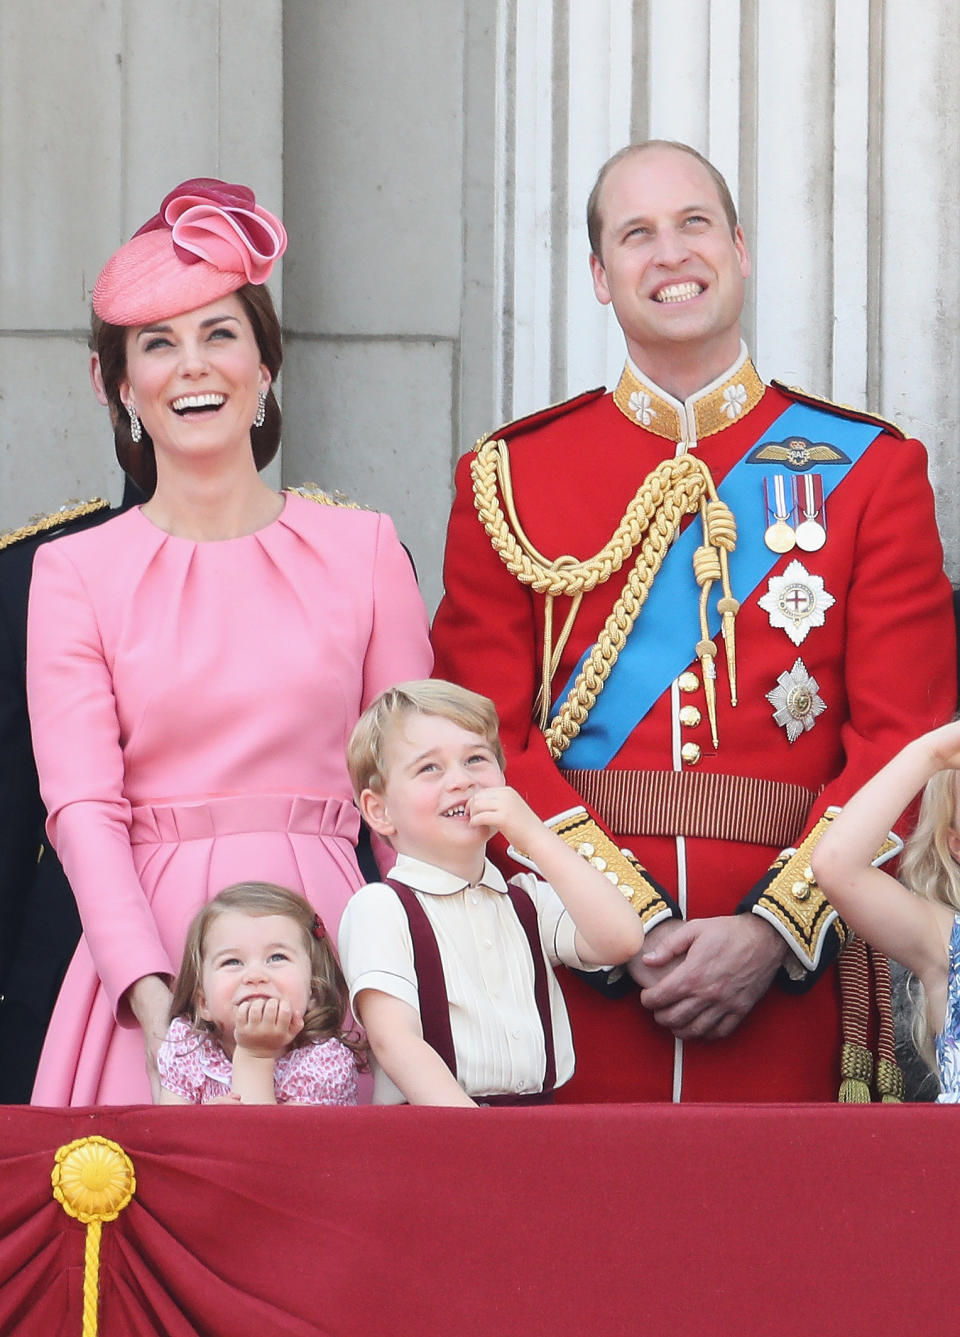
(242, 814)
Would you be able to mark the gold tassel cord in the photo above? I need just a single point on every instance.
(706, 571)
(888, 1078)
(856, 1059)
(552, 650)
(93, 1181)
(677, 487)
(541, 705)
(722, 535)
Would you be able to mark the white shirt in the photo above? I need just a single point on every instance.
(496, 1028)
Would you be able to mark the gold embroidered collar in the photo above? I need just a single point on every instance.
(710, 410)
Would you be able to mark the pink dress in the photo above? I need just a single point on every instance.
(191, 703)
(195, 1067)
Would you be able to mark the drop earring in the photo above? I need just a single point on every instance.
(136, 431)
(261, 417)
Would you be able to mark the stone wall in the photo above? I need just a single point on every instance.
(431, 159)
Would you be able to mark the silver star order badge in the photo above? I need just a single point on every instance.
(796, 601)
(796, 701)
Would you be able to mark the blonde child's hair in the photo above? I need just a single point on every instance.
(327, 1007)
(930, 870)
(429, 696)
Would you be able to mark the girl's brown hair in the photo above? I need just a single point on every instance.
(327, 1008)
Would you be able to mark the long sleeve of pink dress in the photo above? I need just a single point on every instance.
(190, 706)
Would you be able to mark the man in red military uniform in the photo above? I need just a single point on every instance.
(707, 610)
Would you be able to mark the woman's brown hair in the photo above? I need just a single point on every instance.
(137, 457)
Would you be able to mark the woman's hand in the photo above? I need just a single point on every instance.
(149, 1000)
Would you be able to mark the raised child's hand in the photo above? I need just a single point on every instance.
(502, 809)
(267, 1026)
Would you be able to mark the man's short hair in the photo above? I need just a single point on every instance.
(429, 696)
(594, 219)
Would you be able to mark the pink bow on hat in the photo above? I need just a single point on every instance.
(208, 240)
(223, 224)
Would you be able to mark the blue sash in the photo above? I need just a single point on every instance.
(661, 644)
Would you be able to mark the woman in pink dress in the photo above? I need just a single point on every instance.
(196, 665)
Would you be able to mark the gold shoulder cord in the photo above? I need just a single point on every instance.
(677, 487)
(42, 524)
(862, 415)
(312, 492)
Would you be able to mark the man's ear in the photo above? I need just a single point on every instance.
(373, 810)
(599, 275)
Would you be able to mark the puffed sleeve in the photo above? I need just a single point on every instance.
(178, 1062)
(399, 645)
(323, 1073)
(558, 932)
(376, 950)
(76, 739)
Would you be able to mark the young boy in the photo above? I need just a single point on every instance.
(449, 967)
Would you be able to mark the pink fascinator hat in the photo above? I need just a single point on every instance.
(208, 240)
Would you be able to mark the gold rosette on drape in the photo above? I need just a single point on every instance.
(93, 1181)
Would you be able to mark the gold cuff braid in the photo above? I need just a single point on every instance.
(793, 902)
(579, 830)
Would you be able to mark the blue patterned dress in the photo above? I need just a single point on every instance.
(948, 1041)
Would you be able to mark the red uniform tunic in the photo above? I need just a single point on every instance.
(883, 659)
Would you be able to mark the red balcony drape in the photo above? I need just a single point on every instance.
(593, 1220)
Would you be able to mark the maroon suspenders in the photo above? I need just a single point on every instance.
(527, 914)
(434, 1009)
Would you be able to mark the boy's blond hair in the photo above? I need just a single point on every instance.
(428, 696)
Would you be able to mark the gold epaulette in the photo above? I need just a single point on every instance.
(791, 899)
(531, 420)
(313, 492)
(578, 829)
(842, 410)
(42, 524)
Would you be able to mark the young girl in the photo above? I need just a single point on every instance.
(258, 1007)
(919, 927)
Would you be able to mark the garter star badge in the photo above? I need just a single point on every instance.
(796, 701)
(796, 601)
